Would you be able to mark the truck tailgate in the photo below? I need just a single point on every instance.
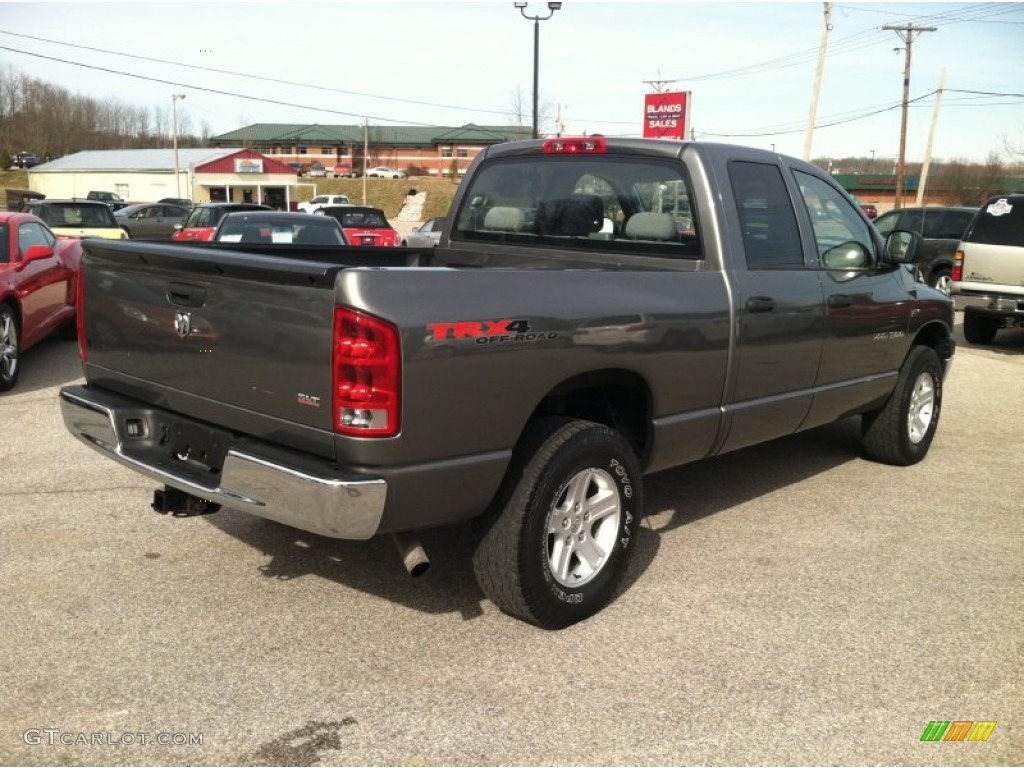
(240, 340)
(989, 268)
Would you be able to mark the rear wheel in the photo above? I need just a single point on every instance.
(9, 350)
(942, 280)
(901, 431)
(557, 541)
(979, 329)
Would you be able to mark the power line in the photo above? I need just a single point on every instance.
(217, 91)
(238, 74)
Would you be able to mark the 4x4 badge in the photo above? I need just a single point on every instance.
(182, 323)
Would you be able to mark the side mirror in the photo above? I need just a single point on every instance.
(37, 252)
(901, 246)
(847, 256)
(178, 227)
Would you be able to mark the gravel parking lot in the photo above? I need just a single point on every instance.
(791, 603)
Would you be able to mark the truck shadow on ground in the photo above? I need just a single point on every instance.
(51, 363)
(1008, 341)
(686, 494)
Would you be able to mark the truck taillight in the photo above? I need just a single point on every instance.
(581, 145)
(367, 375)
(80, 311)
(958, 265)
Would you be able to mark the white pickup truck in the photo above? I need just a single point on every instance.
(320, 201)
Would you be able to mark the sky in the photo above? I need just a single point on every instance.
(750, 67)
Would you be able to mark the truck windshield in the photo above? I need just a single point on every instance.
(599, 203)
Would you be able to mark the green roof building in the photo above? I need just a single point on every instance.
(418, 150)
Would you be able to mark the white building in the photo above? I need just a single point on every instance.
(146, 175)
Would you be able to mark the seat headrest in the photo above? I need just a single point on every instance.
(504, 219)
(651, 226)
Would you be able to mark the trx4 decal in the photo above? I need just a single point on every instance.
(488, 332)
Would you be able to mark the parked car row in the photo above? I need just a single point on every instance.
(316, 169)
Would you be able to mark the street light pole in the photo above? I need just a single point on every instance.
(552, 7)
(174, 119)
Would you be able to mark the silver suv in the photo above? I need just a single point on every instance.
(988, 271)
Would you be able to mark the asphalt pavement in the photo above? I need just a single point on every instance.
(788, 604)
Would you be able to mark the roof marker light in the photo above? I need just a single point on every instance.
(576, 145)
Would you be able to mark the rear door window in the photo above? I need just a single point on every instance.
(771, 237)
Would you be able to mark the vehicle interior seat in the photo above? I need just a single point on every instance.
(576, 216)
(646, 225)
(254, 235)
(504, 218)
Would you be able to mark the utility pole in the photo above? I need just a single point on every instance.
(366, 151)
(907, 34)
(923, 183)
(816, 90)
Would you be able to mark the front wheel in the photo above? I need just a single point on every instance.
(557, 540)
(9, 351)
(901, 431)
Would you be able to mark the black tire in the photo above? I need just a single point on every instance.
(979, 329)
(901, 431)
(556, 461)
(10, 352)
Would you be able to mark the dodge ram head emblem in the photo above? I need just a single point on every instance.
(182, 323)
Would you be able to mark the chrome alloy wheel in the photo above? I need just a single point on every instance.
(582, 527)
(921, 408)
(8, 346)
(944, 283)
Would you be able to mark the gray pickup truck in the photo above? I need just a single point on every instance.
(597, 309)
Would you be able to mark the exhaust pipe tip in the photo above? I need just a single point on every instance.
(414, 557)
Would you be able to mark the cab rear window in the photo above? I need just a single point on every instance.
(595, 203)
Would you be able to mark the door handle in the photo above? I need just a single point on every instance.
(760, 304)
(185, 295)
(839, 300)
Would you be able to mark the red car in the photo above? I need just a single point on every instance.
(203, 220)
(38, 277)
(363, 225)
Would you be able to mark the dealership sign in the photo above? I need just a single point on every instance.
(248, 165)
(667, 115)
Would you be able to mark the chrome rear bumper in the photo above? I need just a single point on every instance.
(276, 483)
